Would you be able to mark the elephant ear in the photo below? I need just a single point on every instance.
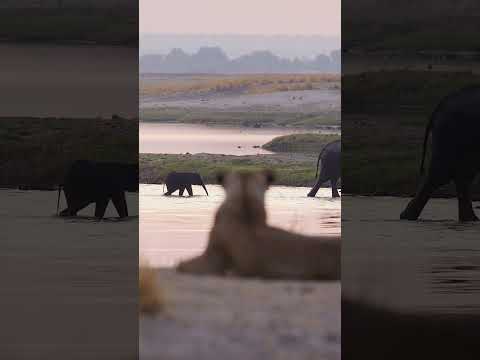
(221, 178)
(269, 176)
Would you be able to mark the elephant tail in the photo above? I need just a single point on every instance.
(425, 141)
(58, 198)
(205, 188)
(318, 161)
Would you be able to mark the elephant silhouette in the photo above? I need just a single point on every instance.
(182, 181)
(455, 128)
(330, 157)
(89, 182)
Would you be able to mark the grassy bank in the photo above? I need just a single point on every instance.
(37, 151)
(237, 84)
(300, 143)
(253, 119)
(290, 169)
(382, 152)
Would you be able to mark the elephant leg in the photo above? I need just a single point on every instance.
(429, 185)
(189, 190)
(74, 205)
(181, 190)
(333, 183)
(120, 204)
(70, 203)
(319, 183)
(464, 194)
(170, 190)
(101, 207)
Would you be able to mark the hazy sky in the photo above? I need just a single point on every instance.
(292, 17)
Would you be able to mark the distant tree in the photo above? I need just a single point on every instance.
(214, 60)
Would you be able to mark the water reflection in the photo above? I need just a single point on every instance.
(181, 138)
(429, 265)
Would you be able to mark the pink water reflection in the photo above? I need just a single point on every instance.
(173, 228)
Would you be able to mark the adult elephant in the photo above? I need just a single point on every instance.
(455, 128)
(330, 157)
(89, 182)
(181, 181)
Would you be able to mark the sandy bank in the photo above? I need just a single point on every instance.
(225, 318)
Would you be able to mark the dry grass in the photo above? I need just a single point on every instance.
(250, 84)
(151, 301)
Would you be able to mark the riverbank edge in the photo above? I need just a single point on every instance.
(334, 127)
(218, 314)
(291, 169)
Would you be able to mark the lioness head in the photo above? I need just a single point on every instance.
(245, 193)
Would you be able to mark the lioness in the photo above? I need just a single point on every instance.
(241, 241)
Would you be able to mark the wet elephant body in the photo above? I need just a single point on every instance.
(89, 182)
(182, 181)
(455, 156)
(330, 158)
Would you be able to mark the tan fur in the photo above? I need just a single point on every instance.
(150, 297)
(241, 241)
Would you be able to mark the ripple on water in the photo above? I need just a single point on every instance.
(432, 264)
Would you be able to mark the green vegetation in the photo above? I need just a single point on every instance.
(290, 170)
(244, 119)
(300, 143)
(100, 26)
(37, 151)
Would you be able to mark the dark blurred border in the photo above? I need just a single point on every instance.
(69, 88)
(399, 59)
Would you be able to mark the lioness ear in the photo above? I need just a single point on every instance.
(270, 176)
(220, 178)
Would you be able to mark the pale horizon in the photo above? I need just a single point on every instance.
(249, 17)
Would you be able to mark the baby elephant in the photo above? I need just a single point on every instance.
(181, 181)
(98, 182)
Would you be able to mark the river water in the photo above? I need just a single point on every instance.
(64, 271)
(428, 265)
(173, 228)
(164, 138)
